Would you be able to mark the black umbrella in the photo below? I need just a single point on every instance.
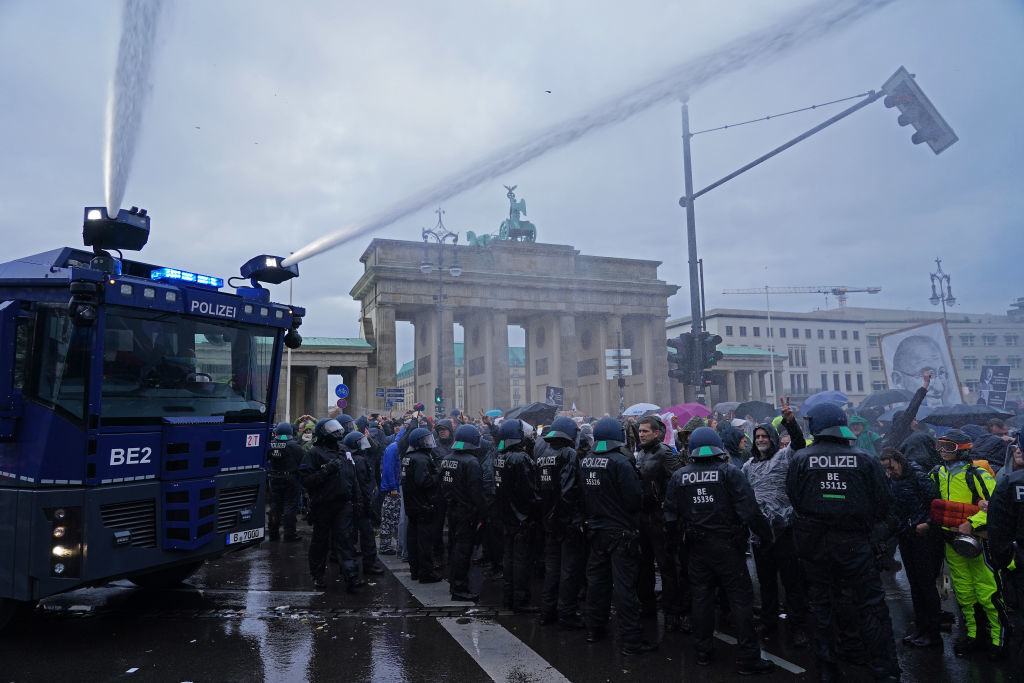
(1016, 421)
(759, 410)
(884, 397)
(963, 414)
(533, 413)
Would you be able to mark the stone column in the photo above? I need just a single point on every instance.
(498, 394)
(447, 376)
(610, 325)
(384, 337)
(320, 395)
(655, 355)
(361, 397)
(564, 367)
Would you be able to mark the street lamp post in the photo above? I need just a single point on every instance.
(440, 234)
(945, 296)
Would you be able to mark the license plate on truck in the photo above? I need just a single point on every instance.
(244, 536)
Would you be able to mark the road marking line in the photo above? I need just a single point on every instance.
(429, 594)
(503, 656)
(779, 661)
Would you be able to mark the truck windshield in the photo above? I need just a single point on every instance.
(158, 364)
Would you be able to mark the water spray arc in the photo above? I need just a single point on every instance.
(796, 30)
(128, 91)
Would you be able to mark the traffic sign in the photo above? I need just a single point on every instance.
(342, 403)
(396, 392)
(341, 391)
(379, 392)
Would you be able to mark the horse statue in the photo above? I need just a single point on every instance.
(475, 240)
(512, 228)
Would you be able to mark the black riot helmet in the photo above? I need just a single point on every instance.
(705, 442)
(355, 442)
(421, 439)
(328, 433)
(283, 431)
(467, 438)
(348, 424)
(608, 435)
(509, 434)
(562, 428)
(828, 419)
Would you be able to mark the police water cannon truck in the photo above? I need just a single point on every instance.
(136, 403)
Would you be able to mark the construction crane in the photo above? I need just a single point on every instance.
(838, 291)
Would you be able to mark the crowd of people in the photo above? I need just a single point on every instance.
(602, 507)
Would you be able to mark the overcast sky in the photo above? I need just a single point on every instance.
(271, 124)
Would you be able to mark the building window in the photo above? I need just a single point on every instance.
(835, 381)
(846, 356)
(1016, 385)
(831, 334)
(769, 332)
(756, 331)
(796, 333)
(807, 334)
(798, 356)
(967, 339)
(991, 360)
(873, 340)
(821, 355)
(970, 363)
(860, 381)
(849, 381)
(743, 331)
(728, 330)
(1010, 339)
(856, 335)
(844, 334)
(782, 331)
(1013, 361)
(876, 364)
(877, 386)
(988, 339)
(856, 356)
(824, 381)
(821, 334)
(835, 356)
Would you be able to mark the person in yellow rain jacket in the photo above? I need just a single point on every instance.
(964, 490)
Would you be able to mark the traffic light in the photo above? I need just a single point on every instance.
(437, 396)
(681, 362)
(902, 91)
(709, 353)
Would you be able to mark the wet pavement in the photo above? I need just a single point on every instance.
(255, 616)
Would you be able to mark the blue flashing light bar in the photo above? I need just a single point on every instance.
(186, 276)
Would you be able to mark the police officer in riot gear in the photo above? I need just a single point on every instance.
(515, 482)
(348, 424)
(612, 498)
(462, 485)
(838, 493)
(357, 445)
(656, 463)
(714, 504)
(330, 478)
(283, 462)
(564, 551)
(420, 489)
(1006, 545)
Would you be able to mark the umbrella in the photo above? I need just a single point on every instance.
(533, 413)
(1017, 421)
(726, 406)
(759, 410)
(824, 397)
(494, 413)
(963, 414)
(640, 409)
(884, 397)
(684, 411)
(890, 415)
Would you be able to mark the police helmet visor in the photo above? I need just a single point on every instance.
(427, 441)
(364, 444)
(333, 428)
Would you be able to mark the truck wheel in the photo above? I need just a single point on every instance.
(13, 611)
(166, 578)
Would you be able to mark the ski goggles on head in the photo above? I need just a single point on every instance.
(951, 446)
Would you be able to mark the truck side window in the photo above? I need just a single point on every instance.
(22, 344)
(61, 370)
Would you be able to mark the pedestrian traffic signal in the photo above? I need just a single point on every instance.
(902, 91)
(709, 353)
(437, 396)
(681, 362)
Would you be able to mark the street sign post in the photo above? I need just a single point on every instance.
(342, 403)
(341, 391)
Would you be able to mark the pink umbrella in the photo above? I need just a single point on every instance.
(684, 411)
